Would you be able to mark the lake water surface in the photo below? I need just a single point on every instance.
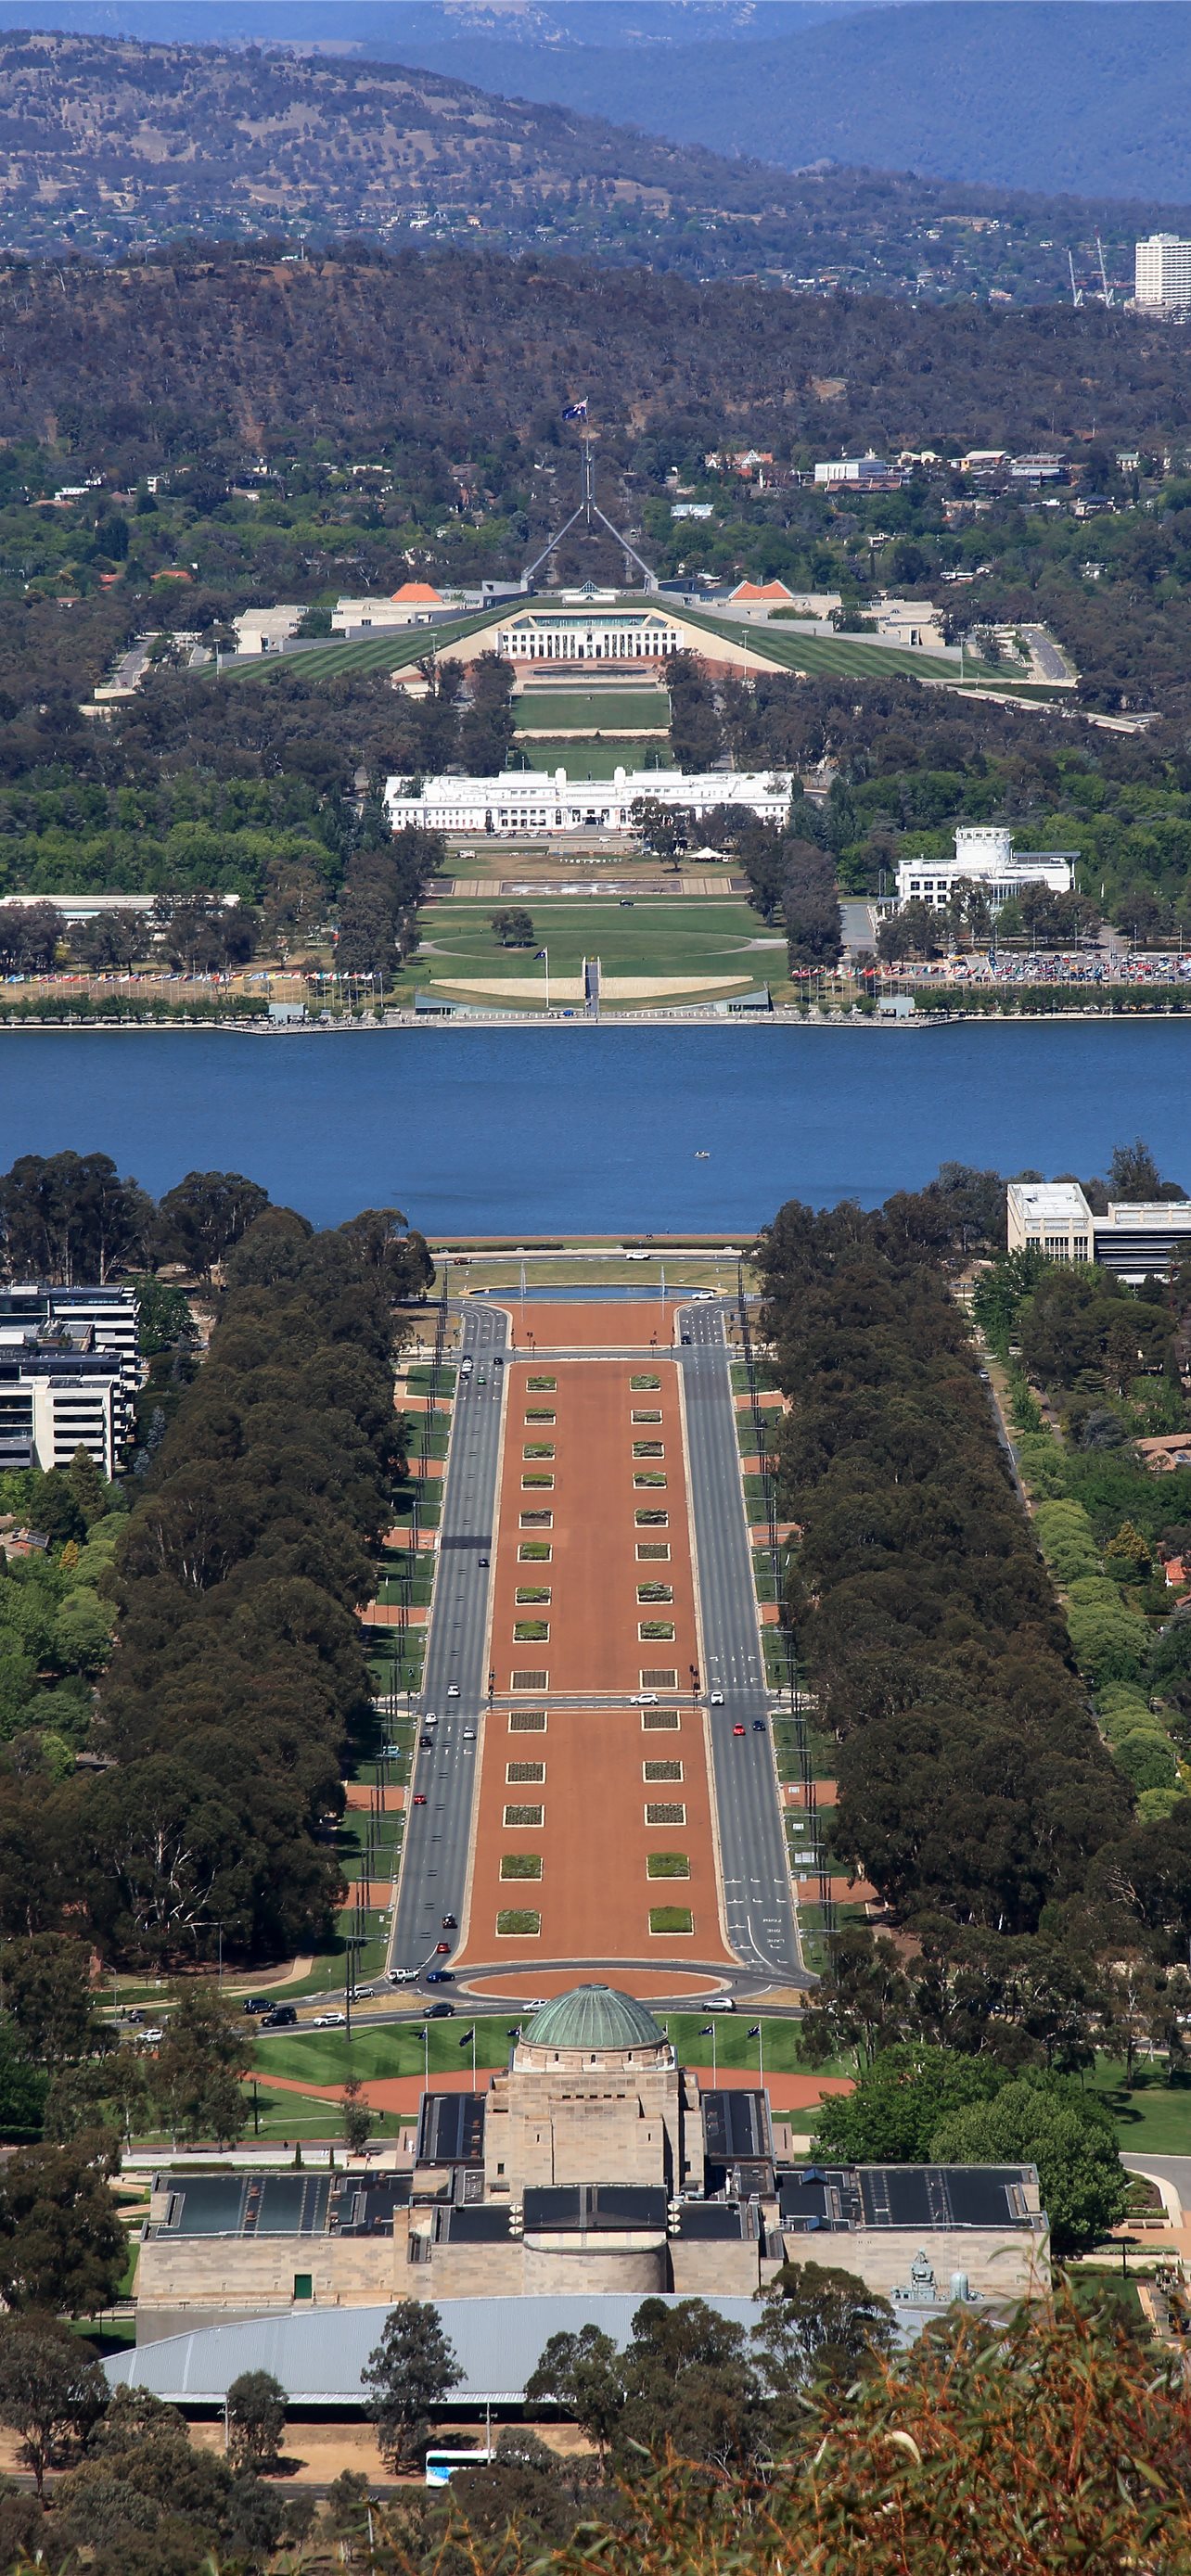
(590, 1130)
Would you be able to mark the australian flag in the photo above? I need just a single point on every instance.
(576, 411)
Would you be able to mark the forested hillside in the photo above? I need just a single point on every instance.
(116, 146)
(214, 356)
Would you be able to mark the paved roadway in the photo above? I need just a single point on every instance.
(758, 1902)
(438, 1836)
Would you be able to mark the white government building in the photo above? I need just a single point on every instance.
(544, 800)
(985, 856)
(1133, 1237)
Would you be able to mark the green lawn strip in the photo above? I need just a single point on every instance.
(421, 1378)
(594, 762)
(650, 936)
(1154, 2119)
(322, 2056)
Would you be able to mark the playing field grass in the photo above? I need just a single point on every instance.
(608, 710)
(651, 936)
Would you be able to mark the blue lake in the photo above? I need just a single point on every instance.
(594, 1129)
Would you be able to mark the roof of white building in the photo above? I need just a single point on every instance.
(1050, 1202)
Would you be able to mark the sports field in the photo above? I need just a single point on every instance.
(652, 937)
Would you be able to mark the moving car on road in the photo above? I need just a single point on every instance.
(440, 2012)
(738, 1728)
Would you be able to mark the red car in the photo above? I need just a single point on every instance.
(738, 1730)
(441, 1949)
(420, 1800)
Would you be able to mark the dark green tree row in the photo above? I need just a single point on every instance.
(235, 1588)
(973, 1783)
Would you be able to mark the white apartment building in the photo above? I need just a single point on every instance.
(69, 1373)
(541, 800)
(985, 856)
(1135, 1238)
(55, 1402)
(1162, 271)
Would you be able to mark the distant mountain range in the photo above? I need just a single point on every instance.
(1091, 96)
(111, 144)
(1087, 96)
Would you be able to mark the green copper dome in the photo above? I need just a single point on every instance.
(593, 2017)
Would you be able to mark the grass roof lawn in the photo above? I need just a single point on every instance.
(331, 661)
(835, 655)
(662, 935)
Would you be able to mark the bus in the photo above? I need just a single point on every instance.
(441, 2465)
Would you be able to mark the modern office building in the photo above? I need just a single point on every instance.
(1134, 1238)
(985, 856)
(593, 2163)
(1162, 271)
(69, 1372)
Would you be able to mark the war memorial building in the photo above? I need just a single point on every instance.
(593, 2164)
